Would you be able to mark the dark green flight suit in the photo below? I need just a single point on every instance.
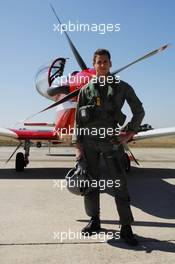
(103, 110)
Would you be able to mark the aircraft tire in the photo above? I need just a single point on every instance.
(20, 163)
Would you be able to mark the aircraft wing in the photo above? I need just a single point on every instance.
(153, 133)
(25, 134)
(10, 134)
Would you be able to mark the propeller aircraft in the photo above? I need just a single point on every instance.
(64, 92)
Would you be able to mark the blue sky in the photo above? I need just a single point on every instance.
(28, 42)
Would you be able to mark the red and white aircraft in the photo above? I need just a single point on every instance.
(65, 95)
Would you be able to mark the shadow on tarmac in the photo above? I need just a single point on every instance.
(148, 187)
(151, 192)
(34, 173)
(146, 244)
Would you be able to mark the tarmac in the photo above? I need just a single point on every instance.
(40, 220)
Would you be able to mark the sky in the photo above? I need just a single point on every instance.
(28, 41)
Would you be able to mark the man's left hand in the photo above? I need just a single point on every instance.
(126, 136)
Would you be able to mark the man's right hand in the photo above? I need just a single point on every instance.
(79, 153)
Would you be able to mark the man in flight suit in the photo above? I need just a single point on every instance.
(99, 107)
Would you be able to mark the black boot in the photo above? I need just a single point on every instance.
(127, 234)
(92, 227)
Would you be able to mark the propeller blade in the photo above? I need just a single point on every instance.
(64, 99)
(142, 58)
(79, 59)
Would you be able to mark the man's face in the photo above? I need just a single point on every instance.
(102, 65)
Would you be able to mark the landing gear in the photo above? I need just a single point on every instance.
(127, 162)
(22, 159)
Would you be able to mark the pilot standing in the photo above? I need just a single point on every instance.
(99, 106)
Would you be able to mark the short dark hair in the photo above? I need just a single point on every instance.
(101, 52)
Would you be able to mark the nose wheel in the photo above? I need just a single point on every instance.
(20, 163)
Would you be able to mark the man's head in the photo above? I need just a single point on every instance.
(102, 62)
